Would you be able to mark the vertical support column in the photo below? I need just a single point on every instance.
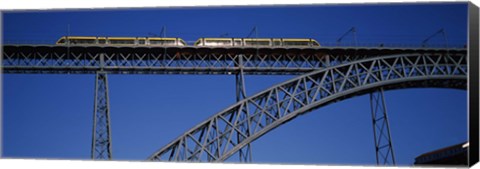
(381, 129)
(246, 152)
(240, 82)
(102, 139)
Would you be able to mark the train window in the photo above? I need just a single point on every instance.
(182, 43)
(237, 43)
(218, 42)
(162, 42)
(81, 41)
(257, 43)
(141, 42)
(315, 43)
(295, 43)
(277, 43)
(102, 41)
(121, 42)
(197, 43)
(61, 41)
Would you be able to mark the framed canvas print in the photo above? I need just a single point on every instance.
(355, 84)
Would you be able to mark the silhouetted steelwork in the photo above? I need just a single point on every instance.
(216, 138)
(102, 139)
(354, 34)
(381, 129)
(187, 60)
(441, 31)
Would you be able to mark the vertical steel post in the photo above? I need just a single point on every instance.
(381, 129)
(240, 81)
(244, 153)
(102, 139)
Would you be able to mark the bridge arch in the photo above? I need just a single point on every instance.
(228, 131)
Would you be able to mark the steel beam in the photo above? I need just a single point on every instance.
(382, 64)
(188, 60)
(281, 103)
(245, 154)
(381, 129)
(102, 138)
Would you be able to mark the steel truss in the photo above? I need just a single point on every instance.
(220, 136)
(381, 129)
(245, 154)
(238, 61)
(102, 139)
(186, 60)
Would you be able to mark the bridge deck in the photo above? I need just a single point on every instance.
(189, 59)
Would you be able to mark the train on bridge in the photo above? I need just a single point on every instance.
(158, 41)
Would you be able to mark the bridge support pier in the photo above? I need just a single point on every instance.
(246, 152)
(102, 140)
(381, 129)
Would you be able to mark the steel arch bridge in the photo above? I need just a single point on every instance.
(230, 130)
(334, 73)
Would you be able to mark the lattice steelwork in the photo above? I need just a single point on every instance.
(102, 140)
(412, 62)
(186, 60)
(220, 136)
(245, 154)
(381, 129)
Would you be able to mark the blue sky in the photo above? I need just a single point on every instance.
(50, 116)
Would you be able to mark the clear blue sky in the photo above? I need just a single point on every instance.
(50, 116)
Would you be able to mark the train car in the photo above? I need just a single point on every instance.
(154, 41)
(273, 42)
(74, 40)
(120, 41)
